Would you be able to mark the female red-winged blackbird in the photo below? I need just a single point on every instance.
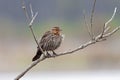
(50, 41)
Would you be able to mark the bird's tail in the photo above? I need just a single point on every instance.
(37, 56)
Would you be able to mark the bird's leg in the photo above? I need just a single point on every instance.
(48, 54)
(54, 53)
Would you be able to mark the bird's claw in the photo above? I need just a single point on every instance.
(47, 55)
(54, 54)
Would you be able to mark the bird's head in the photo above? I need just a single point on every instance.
(56, 30)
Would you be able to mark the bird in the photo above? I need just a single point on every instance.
(50, 41)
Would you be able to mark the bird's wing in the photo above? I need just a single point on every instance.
(43, 39)
(46, 34)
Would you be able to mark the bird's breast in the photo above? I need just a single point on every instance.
(52, 42)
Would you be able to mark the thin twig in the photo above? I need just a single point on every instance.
(108, 28)
(91, 19)
(31, 22)
(87, 27)
(31, 10)
(25, 10)
(33, 18)
(30, 26)
(115, 10)
(112, 32)
(105, 27)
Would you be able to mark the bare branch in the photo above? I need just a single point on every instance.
(30, 26)
(93, 41)
(33, 18)
(97, 39)
(31, 22)
(91, 20)
(30, 67)
(105, 27)
(111, 17)
(31, 10)
(108, 28)
(112, 32)
(43, 58)
(88, 29)
(25, 10)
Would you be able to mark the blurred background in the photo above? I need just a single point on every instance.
(17, 46)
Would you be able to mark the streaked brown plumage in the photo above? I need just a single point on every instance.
(50, 41)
